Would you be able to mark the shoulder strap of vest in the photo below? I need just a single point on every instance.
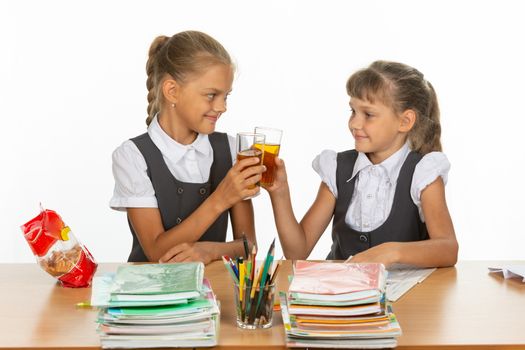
(150, 152)
(406, 172)
(222, 159)
(345, 165)
(410, 164)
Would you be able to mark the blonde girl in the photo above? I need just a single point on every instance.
(387, 196)
(176, 181)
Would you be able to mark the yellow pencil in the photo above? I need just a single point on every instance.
(255, 282)
(241, 280)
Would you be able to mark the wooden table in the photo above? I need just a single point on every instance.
(459, 307)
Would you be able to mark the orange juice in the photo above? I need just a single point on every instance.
(248, 154)
(270, 152)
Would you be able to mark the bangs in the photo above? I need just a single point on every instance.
(368, 84)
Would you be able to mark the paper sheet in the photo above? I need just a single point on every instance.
(402, 278)
(510, 271)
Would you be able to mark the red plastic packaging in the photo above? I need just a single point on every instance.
(57, 250)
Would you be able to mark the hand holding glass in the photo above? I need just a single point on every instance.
(246, 147)
(271, 149)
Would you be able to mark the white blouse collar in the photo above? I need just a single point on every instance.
(392, 164)
(173, 150)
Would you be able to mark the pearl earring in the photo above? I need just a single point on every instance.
(173, 105)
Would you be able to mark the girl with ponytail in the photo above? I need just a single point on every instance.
(387, 196)
(176, 181)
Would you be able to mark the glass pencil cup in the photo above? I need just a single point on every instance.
(253, 306)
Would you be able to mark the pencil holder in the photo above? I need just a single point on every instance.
(253, 306)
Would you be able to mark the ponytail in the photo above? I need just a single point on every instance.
(425, 136)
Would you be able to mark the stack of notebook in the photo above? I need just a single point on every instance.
(338, 305)
(156, 305)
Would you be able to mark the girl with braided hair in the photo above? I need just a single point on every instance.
(176, 181)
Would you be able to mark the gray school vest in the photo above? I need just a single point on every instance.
(402, 225)
(176, 199)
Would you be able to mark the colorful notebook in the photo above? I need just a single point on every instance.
(337, 278)
(158, 278)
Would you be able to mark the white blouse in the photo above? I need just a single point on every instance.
(188, 163)
(376, 184)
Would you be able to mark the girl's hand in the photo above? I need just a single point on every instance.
(280, 180)
(385, 253)
(236, 184)
(197, 251)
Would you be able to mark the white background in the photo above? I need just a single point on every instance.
(72, 88)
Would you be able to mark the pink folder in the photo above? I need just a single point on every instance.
(337, 278)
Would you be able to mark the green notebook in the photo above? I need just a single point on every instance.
(158, 278)
(192, 306)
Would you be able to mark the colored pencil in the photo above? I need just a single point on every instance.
(267, 262)
(245, 243)
(229, 268)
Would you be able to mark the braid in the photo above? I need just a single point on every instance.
(154, 75)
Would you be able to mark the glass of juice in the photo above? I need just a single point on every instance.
(246, 143)
(271, 149)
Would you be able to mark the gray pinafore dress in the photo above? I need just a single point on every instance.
(176, 199)
(402, 225)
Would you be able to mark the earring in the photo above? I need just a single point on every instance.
(173, 105)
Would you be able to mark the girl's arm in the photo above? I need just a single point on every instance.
(298, 239)
(242, 222)
(164, 245)
(242, 219)
(439, 251)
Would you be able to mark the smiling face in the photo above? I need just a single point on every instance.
(377, 129)
(199, 102)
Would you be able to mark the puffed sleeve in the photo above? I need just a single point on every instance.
(133, 187)
(428, 169)
(325, 164)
